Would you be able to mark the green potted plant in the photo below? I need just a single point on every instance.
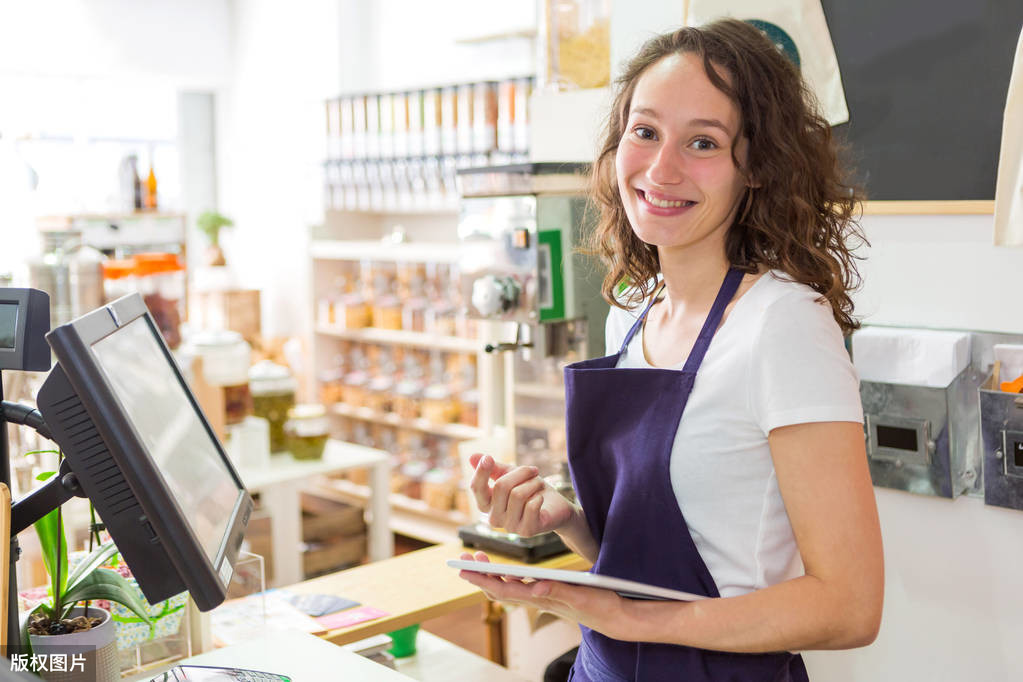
(210, 223)
(59, 622)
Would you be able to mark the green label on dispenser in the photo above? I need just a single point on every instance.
(550, 272)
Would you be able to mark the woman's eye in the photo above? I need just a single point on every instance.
(643, 133)
(703, 145)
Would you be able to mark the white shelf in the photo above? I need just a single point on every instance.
(545, 391)
(409, 516)
(406, 252)
(400, 337)
(459, 431)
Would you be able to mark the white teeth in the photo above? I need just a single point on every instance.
(660, 203)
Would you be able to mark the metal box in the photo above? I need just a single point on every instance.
(1001, 429)
(923, 439)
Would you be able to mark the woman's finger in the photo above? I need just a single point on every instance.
(517, 516)
(479, 484)
(502, 490)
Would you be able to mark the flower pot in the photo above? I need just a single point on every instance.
(89, 655)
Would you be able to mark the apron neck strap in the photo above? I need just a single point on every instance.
(639, 320)
(710, 325)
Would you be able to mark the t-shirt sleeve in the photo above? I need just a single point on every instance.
(801, 371)
(616, 326)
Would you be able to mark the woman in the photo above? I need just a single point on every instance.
(741, 476)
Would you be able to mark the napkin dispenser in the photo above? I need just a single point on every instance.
(1001, 429)
(921, 416)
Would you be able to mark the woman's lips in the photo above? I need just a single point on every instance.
(662, 205)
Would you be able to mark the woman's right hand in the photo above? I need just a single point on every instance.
(519, 500)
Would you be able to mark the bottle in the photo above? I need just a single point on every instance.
(150, 200)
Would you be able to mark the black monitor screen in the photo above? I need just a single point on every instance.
(156, 403)
(8, 324)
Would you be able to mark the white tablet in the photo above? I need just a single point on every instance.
(626, 588)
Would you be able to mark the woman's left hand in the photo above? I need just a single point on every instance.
(598, 609)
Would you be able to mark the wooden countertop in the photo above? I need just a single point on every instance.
(411, 587)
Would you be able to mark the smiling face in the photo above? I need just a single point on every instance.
(676, 177)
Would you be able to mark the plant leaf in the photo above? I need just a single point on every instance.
(98, 557)
(103, 583)
(45, 476)
(52, 542)
(26, 641)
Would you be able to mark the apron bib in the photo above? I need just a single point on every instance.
(621, 426)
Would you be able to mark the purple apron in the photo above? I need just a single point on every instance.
(621, 427)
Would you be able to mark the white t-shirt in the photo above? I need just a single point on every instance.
(777, 360)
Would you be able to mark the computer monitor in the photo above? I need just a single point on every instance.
(134, 435)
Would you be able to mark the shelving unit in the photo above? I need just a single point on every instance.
(458, 431)
(408, 516)
(345, 241)
(398, 337)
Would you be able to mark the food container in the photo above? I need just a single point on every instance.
(273, 394)
(408, 398)
(379, 393)
(438, 489)
(225, 364)
(160, 278)
(577, 44)
(332, 385)
(118, 279)
(306, 431)
(351, 312)
(439, 406)
(469, 403)
(387, 312)
(354, 391)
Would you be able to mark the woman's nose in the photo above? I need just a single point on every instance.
(667, 166)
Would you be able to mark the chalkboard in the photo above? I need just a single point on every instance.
(925, 82)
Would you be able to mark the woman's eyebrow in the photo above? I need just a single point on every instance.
(693, 123)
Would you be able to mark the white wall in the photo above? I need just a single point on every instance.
(270, 125)
(953, 608)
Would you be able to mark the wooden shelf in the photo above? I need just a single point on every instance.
(409, 516)
(459, 431)
(398, 337)
(406, 252)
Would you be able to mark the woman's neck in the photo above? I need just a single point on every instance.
(692, 280)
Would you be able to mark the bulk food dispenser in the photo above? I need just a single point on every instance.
(520, 229)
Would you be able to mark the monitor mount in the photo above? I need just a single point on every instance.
(25, 317)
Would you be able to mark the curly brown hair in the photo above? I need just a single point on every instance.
(800, 217)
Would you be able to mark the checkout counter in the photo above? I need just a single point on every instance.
(410, 588)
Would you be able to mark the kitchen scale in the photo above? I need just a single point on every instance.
(530, 550)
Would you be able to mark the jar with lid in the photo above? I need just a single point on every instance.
(118, 279)
(225, 364)
(408, 397)
(306, 431)
(379, 393)
(273, 394)
(469, 407)
(161, 281)
(439, 406)
(577, 44)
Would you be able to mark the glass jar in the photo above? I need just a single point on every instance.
(160, 278)
(306, 431)
(354, 390)
(577, 44)
(225, 364)
(408, 397)
(118, 279)
(379, 393)
(469, 403)
(387, 312)
(439, 406)
(273, 394)
(438, 489)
